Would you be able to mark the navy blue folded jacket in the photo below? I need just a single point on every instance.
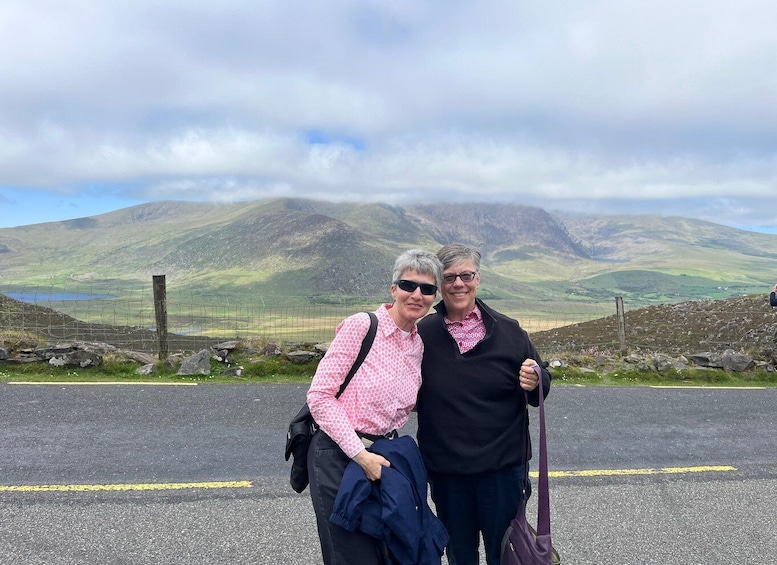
(393, 509)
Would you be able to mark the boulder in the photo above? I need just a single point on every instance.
(197, 364)
(223, 356)
(49, 351)
(271, 349)
(140, 357)
(77, 358)
(148, 369)
(733, 361)
(662, 363)
(707, 359)
(232, 372)
(172, 362)
(300, 356)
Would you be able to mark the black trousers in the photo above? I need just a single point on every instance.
(469, 505)
(326, 465)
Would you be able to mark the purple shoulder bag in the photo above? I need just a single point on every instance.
(522, 545)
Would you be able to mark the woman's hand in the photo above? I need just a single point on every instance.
(371, 463)
(527, 378)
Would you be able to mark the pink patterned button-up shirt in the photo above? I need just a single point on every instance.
(469, 332)
(383, 391)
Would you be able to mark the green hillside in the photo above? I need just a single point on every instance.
(304, 251)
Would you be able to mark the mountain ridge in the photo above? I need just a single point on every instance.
(312, 248)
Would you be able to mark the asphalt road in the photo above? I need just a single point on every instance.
(126, 474)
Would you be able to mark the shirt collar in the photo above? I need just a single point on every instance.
(474, 314)
(391, 326)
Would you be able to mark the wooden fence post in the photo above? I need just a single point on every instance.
(621, 315)
(160, 309)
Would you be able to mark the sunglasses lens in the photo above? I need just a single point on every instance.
(428, 289)
(466, 277)
(410, 286)
(407, 286)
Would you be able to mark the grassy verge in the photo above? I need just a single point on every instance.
(280, 370)
(269, 371)
(686, 377)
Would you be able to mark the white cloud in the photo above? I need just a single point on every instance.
(555, 102)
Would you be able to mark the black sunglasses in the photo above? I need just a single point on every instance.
(410, 286)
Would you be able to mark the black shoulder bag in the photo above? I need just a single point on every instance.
(302, 426)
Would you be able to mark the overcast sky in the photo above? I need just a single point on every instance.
(615, 106)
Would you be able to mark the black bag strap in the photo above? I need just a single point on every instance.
(365, 349)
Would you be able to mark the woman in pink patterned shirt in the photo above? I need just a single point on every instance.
(376, 402)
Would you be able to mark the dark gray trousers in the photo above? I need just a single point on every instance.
(481, 504)
(326, 465)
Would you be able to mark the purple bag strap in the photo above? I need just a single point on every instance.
(543, 494)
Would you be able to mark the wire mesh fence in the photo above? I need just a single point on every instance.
(126, 319)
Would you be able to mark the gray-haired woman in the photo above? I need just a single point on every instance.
(376, 402)
(473, 426)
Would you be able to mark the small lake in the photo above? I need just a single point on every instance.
(35, 297)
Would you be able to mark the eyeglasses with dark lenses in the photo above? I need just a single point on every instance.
(466, 276)
(410, 286)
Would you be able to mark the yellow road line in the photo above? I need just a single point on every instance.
(125, 487)
(249, 484)
(627, 472)
(87, 383)
(712, 387)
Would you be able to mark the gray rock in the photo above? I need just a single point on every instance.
(172, 362)
(98, 346)
(77, 358)
(272, 349)
(197, 364)
(140, 357)
(223, 356)
(707, 359)
(300, 356)
(733, 361)
(232, 372)
(51, 351)
(662, 362)
(681, 363)
(146, 370)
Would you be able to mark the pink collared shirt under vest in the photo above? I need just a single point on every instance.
(469, 332)
(383, 392)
